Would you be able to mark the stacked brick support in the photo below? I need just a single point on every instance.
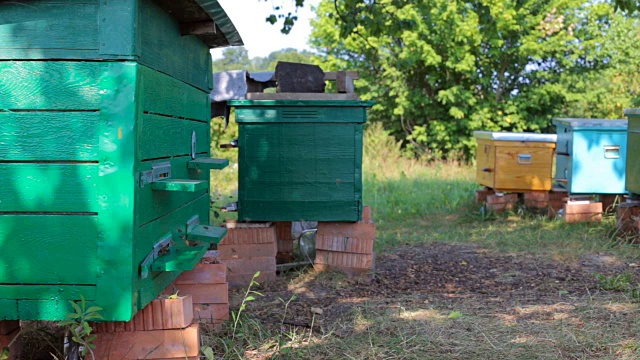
(9, 330)
(163, 330)
(628, 220)
(249, 248)
(285, 242)
(502, 202)
(347, 247)
(207, 284)
(580, 212)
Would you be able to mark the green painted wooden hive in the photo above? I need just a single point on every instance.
(300, 160)
(104, 150)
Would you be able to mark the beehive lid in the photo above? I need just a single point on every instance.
(514, 136)
(205, 19)
(632, 112)
(318, 103)
(600, 124)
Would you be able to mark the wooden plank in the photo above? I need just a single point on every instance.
(333, 75)
(261, 210)
(164, 48)
(287, 190)
(50, 85)
(8, 309)
(485, 163)
(154, 204)
(336, 118)
(207, 233)
(49, 187)
(510, 174)
(49, 29)
(183, 260)
(54, 309)
(119, 109)
(632, 169)
(208, 163)
(182, 101)
(182, 185)
(149, 288)
(49, 136)
(47, 292)
(301, 96)
(117, 35)
(163, 136)
(40, 248)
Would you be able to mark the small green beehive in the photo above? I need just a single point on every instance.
(300, 159)
(104, 150)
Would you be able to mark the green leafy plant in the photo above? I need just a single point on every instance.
(248, 296)
(620, 282)
(79, 330)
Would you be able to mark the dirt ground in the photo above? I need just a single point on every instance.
(448, 275)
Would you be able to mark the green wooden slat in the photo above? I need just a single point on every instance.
(48, 249)
(45, 292)
(207, 233)
(48, 29)
(302, 112)
(160, 203)
(49, 187)
(49, 136)
(162, 136)
(632, 173)
(291, 190)
(208, 164)
(146, 236)
(163, 48)
(260, 210)
(8, 310)
(182, 101)
(183, 260)
(118, 21)
(50, 85)
(180, 185)
(119, 108)
(52, 310)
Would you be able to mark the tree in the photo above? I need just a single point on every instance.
(439, 69)
(238, 59)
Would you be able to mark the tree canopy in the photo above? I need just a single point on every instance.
(237, 58)
(439, 69)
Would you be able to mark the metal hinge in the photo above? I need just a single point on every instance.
(159, 171)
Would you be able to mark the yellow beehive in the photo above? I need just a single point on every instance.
(514, 161)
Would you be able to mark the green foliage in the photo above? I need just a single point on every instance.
(618, 282)
(237, 58)
(440, 69)
(78, 327)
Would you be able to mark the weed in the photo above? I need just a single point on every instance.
(79, 330)
(620, 282)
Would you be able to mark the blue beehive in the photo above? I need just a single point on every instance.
(591, 155)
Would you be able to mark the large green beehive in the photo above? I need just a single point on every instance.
(104, 150)
(300, 160)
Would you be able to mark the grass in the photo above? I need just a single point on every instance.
(415, 203)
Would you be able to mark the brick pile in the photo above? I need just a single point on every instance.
(347, 247)
(579, 212)
(628, 218)
(285, 242)
(162, 330)
(9, 329)
(207, 284)
(247, 249)
(502, 202)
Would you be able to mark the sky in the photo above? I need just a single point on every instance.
(261, 38)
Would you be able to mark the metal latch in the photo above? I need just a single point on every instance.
(159, 249)
(524, 159)
(612, 152)
(159, 171)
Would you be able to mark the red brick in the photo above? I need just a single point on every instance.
(344, 244)
(203, 293)
(344, 260)
(211, 313)
(283, 230)
(229, 252)
(8, 326)
(243, 280)
(210, 257)
(357, 230)
(243, 236)
(559, 195)
(250, 265)
(582, 212)
(536, 196)
(502, 199)
(481, 195)
(366, 215)
(627, 215)
(154, 344)
(160, 314)
(285, 246)
(15, 349)
(284, 258)
(203, 274)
